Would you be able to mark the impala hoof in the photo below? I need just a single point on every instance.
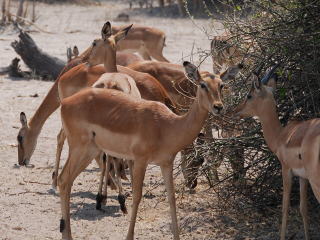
(53, 190)
(122, 202)
(99, 199)
(62, 225)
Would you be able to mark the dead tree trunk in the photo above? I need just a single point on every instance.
(33, 18)
(13, 70)
(20, 10)
(3, 10)
(182, 9)
(41, 63)
(161, 3)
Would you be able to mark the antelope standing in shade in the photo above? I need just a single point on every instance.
(183, 92)
(297, 145)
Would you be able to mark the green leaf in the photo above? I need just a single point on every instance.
(282, 93)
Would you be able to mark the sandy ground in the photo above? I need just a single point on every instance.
(29, 211)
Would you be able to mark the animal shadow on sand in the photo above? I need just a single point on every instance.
(88, 211)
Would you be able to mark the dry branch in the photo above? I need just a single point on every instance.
(13, 70)
(281, 31)
(38, 61)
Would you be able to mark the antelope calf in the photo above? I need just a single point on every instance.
(297, 145)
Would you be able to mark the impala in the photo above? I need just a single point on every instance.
(297, 145)
(139, 130)
(76, 77)
(225, 53)
(183, 92)
(121, 82)
(102, 51)
(122, 58)
(148, 41)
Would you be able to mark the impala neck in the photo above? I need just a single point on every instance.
(187, 127)
(110, 64)
(85, 55)
(271, 125)
(48, 106)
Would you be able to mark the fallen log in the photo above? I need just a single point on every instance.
(13, 70)
(41, 63)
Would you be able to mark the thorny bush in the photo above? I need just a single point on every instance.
(267, 32)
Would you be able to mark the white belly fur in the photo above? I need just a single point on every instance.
(299, 172)
(115, 144)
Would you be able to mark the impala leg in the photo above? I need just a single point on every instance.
(122, 172)
(159, 56)
(60, 142)
(65, 189)
(144, 53)
(287, 183)
(77, 161)
(304, 206)
(139, 171)
(167, 173)
(101, 197)
(155, 51)
(110, 174)
(107, 178)
(130, 164)
(121, 196)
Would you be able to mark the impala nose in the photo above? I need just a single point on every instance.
(218, 108)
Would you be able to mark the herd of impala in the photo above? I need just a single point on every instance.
(116, 105)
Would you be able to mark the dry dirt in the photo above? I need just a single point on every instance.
(29, 211)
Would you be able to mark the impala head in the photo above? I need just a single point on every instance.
(210, 86)
(26, 141)
(107, 44)
(260, 96)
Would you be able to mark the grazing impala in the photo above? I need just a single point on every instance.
(297, 145)
(79, 77)
(148, 41)
(143, 131)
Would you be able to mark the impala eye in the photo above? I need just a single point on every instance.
(19, 138)
(94, 44)
(221, 86)
(203, 85)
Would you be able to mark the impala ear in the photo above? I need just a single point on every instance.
(231, 72)
(75, 51)
(256, 84)
(106, 31)
(192, 72)
(272, 83)
(23, 119)
(122, 33)
(69, 54)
